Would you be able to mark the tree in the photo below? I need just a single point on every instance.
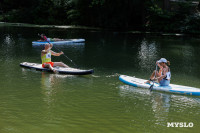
(166, 4)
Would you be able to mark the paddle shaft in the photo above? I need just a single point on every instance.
(67, 58)
(151, 87)
(155, 71)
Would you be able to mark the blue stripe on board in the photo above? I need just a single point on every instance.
(126, 82)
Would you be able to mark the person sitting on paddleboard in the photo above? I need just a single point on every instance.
(46, 58)
(163, 75)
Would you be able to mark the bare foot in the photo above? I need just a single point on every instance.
(54, 71)
(147, 82)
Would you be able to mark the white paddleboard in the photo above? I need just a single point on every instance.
(172, 88)
(61, 70)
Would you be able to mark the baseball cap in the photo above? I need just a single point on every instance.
(162, 60)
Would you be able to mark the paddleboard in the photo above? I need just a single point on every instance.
(172, 88)
(68, 41)
(61, 70)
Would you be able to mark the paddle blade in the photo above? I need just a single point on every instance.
(151, 88)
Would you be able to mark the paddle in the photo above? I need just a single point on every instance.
(151, 87)
(67, 58)
(63, 54)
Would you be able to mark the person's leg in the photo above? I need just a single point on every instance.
(152, 77)
(57, 39)
(60, 64)
(164, 82)
(50, 67)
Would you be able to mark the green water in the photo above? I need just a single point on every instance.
(36, 102)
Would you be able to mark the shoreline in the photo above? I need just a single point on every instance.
(48, 26)
(98, 29)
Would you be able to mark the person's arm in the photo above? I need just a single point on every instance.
(51, 45)
(162, 76)
(161, 68)
(160, 71)
(56, 54)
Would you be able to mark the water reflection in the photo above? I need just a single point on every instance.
(48, 100)
(148, 54)
(50, 84)
(160, 106)
(12, 47)
(8, 40)
(188, 57)
(161, 103)
(53, 85)
(8, 47)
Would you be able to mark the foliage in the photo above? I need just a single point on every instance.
(184, 19)
(120, 14)
(161, 20)
(34, 11)
(191, 24)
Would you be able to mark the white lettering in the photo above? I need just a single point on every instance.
(179, 124)
(170, 124)
(176, 124)
(185, 124)
(191, 124)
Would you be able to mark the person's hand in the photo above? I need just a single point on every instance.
(61, 53)
(157, 62)
(154, 78)
(160, 67)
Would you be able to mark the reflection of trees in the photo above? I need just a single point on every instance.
(183, 55)
(11, 46)
(188, 57)
(147, 55)
(8, 47)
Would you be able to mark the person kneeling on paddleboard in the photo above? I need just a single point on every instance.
(46, 58)
(162, 76)
(45, 39)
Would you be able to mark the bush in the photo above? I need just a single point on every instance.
(191, 24)
(181, 20)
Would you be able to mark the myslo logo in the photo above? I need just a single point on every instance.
(179, 124)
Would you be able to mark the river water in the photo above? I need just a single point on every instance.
(36, 102)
